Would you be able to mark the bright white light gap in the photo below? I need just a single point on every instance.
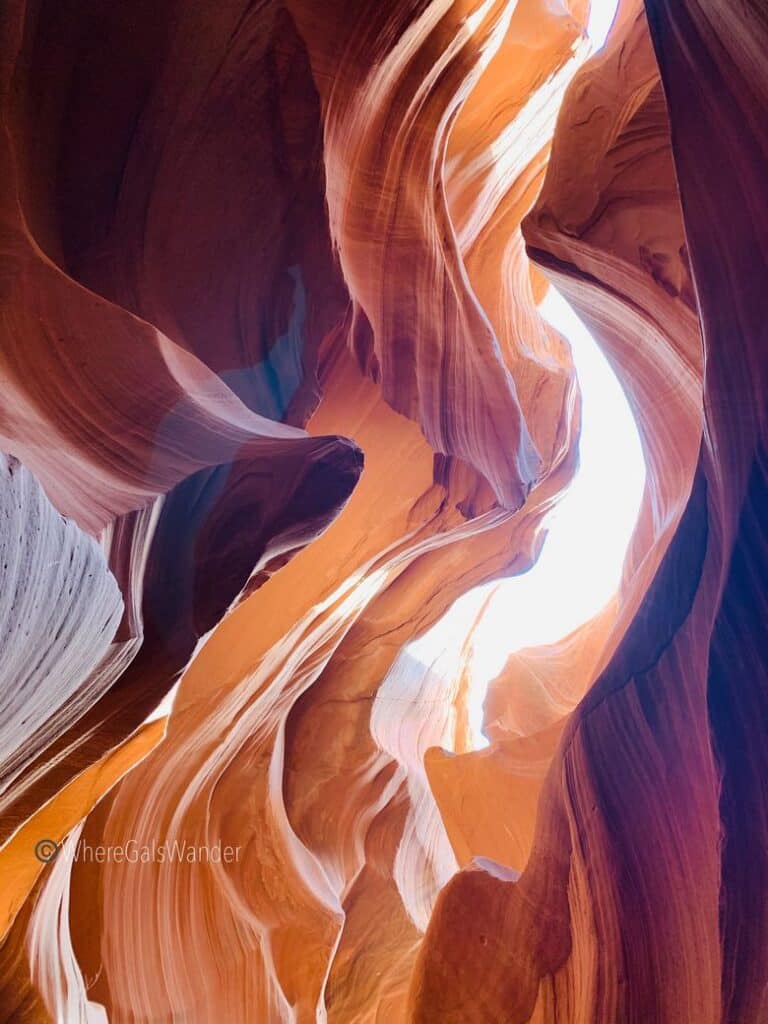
(601, 16)
(588, 533)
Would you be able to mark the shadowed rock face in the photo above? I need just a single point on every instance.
(275, 393)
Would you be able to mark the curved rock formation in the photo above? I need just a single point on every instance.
(647, 908)
(276, 391)
(613, 242)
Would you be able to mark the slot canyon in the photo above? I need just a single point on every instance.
(384, 512)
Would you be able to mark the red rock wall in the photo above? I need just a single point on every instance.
(276, 392)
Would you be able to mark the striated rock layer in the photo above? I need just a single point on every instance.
(275, 393)
(639, 901)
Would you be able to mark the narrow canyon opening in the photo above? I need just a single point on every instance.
(587, 537)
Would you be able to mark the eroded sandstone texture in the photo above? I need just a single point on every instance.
(275, 391)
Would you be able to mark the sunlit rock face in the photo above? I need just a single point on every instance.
(277, 392)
